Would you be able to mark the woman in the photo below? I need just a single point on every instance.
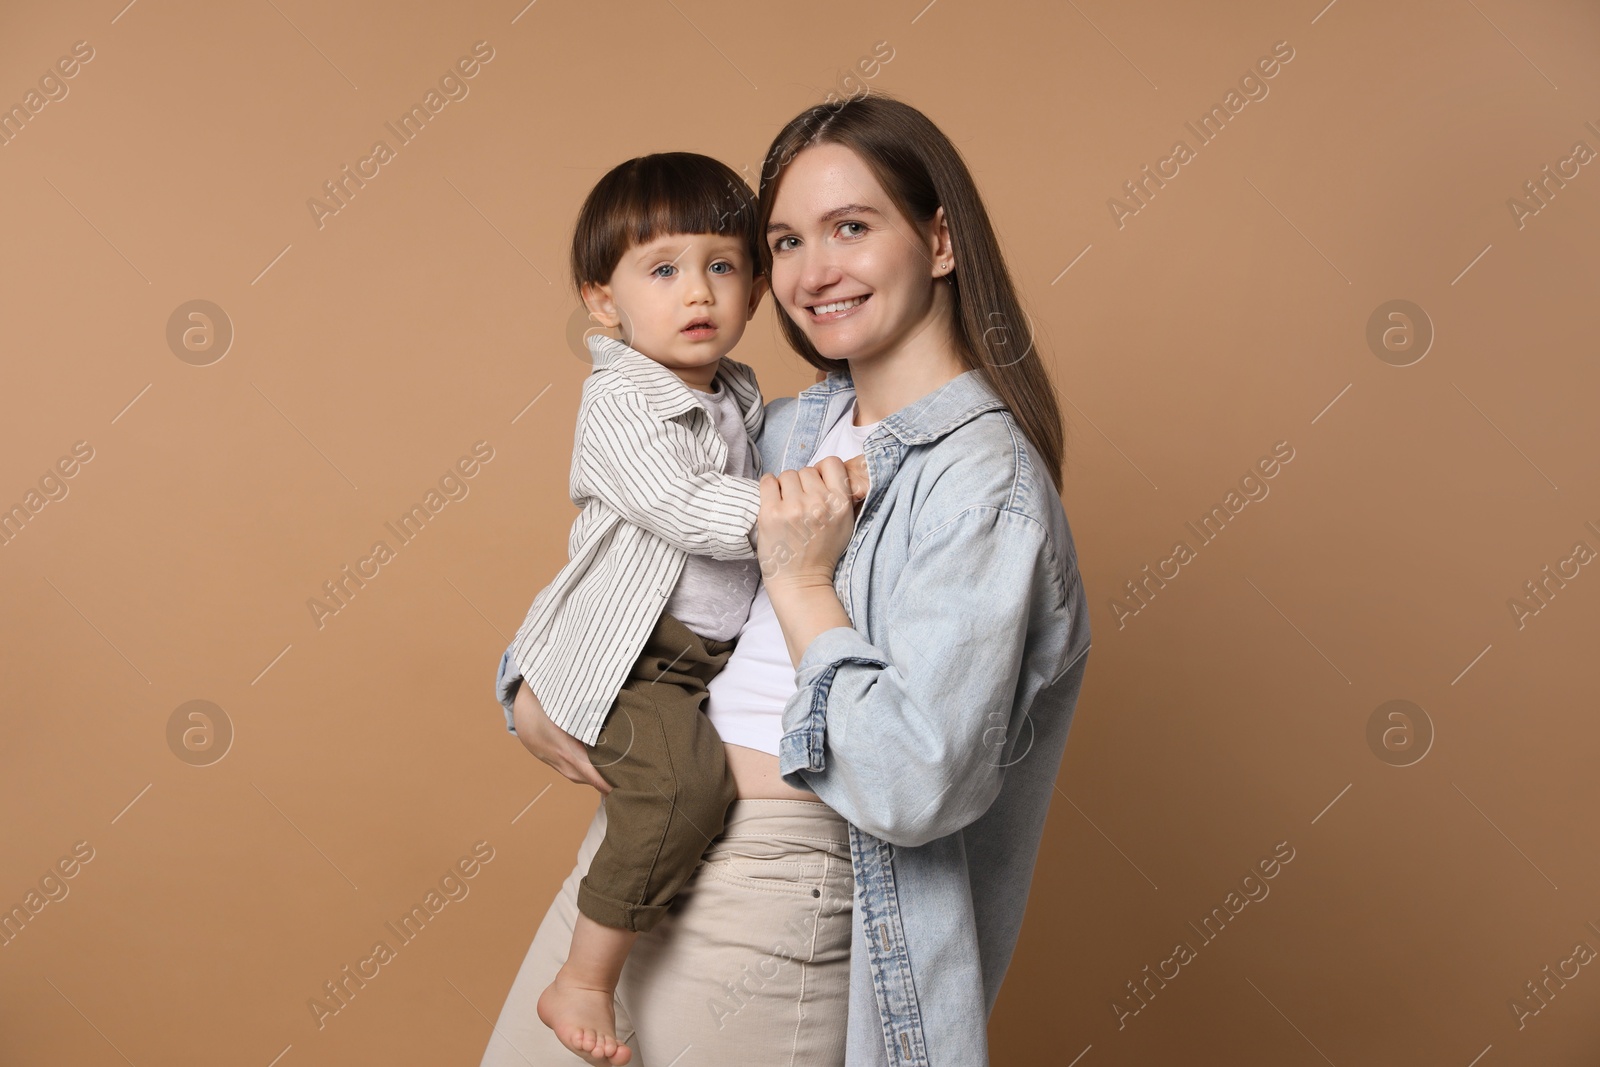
(896, 708)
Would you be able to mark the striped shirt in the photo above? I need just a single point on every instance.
(647, 472)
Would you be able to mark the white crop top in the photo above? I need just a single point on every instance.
(748, 695)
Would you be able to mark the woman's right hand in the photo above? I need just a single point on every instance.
(552, 744)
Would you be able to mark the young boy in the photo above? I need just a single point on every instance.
(619, 647)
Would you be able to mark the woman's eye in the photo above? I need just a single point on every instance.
(863, 226)
(779, 246)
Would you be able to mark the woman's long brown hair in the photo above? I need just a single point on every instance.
(921, 171)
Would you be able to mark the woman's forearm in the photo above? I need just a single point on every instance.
(805, 609)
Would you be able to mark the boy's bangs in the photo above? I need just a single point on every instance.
(662, 216)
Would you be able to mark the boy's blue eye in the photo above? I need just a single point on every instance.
(664, 266)
(723, 263)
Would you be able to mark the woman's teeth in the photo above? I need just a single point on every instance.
(840, 305)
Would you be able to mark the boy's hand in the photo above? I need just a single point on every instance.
(552, 744)
(856, 469)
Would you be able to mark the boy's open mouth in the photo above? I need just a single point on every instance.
(834, 310)
(700, 328)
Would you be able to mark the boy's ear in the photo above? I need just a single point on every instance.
(602, 309)
(758, 289)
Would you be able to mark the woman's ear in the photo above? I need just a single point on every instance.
(940, 249)
(602, 309)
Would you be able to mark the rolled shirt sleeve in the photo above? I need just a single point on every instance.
(905, 737)
(642, 466)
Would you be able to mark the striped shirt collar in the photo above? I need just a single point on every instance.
(664, 392)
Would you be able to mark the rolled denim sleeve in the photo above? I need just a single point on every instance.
(906, 736)
(506, 680)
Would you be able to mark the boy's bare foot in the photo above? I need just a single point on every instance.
(584, 1020)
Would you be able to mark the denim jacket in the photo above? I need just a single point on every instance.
(936, 723)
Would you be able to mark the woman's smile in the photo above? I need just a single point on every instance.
(835, 310)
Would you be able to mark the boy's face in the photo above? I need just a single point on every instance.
(683, 300)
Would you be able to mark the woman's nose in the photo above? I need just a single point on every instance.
(817, 272)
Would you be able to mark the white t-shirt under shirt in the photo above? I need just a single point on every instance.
(748, 695)
(713, 596)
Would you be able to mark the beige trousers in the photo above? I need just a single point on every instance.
(750, 966)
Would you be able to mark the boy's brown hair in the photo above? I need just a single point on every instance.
(657, 195)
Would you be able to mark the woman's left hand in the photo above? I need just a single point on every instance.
(805, 525)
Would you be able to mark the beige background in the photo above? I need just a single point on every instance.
(1230, 313)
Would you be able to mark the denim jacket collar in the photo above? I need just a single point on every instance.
(961, 399)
